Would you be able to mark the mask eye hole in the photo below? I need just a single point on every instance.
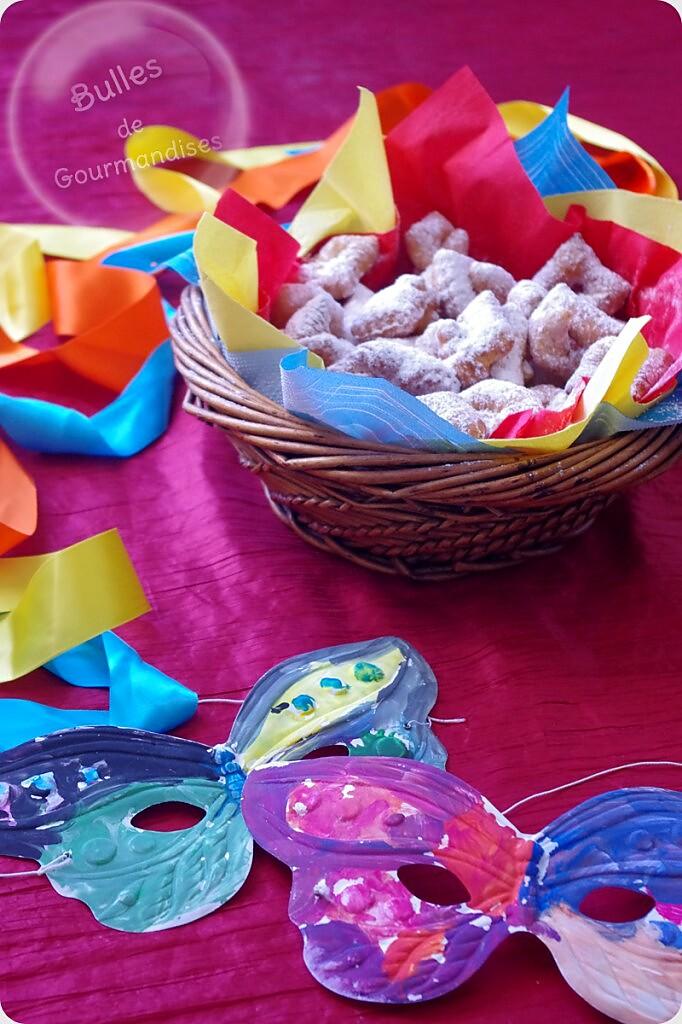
(434, 884)
(168, 817)
(616, 905)
(337, 750)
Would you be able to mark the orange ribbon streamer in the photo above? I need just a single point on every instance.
(114, 315)
(18, 502)
(115, 320)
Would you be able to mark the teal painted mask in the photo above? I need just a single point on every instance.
(70, 799)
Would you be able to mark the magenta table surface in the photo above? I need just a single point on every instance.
(561, 667)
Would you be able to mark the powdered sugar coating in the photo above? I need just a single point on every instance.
(494, 400)
(290, 297)
(402, 309)
(431, 233)
(589, 361)
(441, 338)
(408, 368)
(551, 397)
(321, 314)
(526, 296)
(456, 411)
(562, 326)
(353, 305)
(462, 324)
(650, 372)
(514, 366)
(328, 347)
(487, 337)
(490, 277)
(575, 263)
(455, 280)
(341, 263)
(448, 279)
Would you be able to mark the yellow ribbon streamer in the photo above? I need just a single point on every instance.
(521, 116)
(354, 193)
(175, 191)
(24, 297)
(54, 602)
(70, 241)
(653, 216)
(263, 156)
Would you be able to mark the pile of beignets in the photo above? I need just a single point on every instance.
(462, 335)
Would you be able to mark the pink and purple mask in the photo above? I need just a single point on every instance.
(346, 829)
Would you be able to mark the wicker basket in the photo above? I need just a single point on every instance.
(421, 515)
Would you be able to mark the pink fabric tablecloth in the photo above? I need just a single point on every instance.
(562, 667)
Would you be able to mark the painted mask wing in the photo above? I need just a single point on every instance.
(346, 827)
(373, 697)
(629, 839)
(77, 792)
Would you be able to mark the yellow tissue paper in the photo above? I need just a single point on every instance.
(228, 257)
(354, 193)
(228, 270)
(51, 603)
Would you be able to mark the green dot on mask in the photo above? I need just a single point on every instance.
(366, 672)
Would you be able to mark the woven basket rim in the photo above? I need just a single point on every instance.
(210, 377)
(422, 515)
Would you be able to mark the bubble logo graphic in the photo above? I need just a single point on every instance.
(99, 74)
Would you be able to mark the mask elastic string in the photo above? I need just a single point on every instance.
(52, 865)
(219, 700)
(588, 778)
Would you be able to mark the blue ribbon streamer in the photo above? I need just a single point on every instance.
(172, 252)
(555, 161)
(141, 696)
(150, 256)
(136, 418)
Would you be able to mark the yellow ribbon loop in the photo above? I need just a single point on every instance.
(175, 191)
(54, 602)
(521, 116)
(24, 297)
(653, 216)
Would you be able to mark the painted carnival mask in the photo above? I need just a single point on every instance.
(72, 797)
(346, 828)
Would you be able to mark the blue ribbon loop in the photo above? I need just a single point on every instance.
(140, 696)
